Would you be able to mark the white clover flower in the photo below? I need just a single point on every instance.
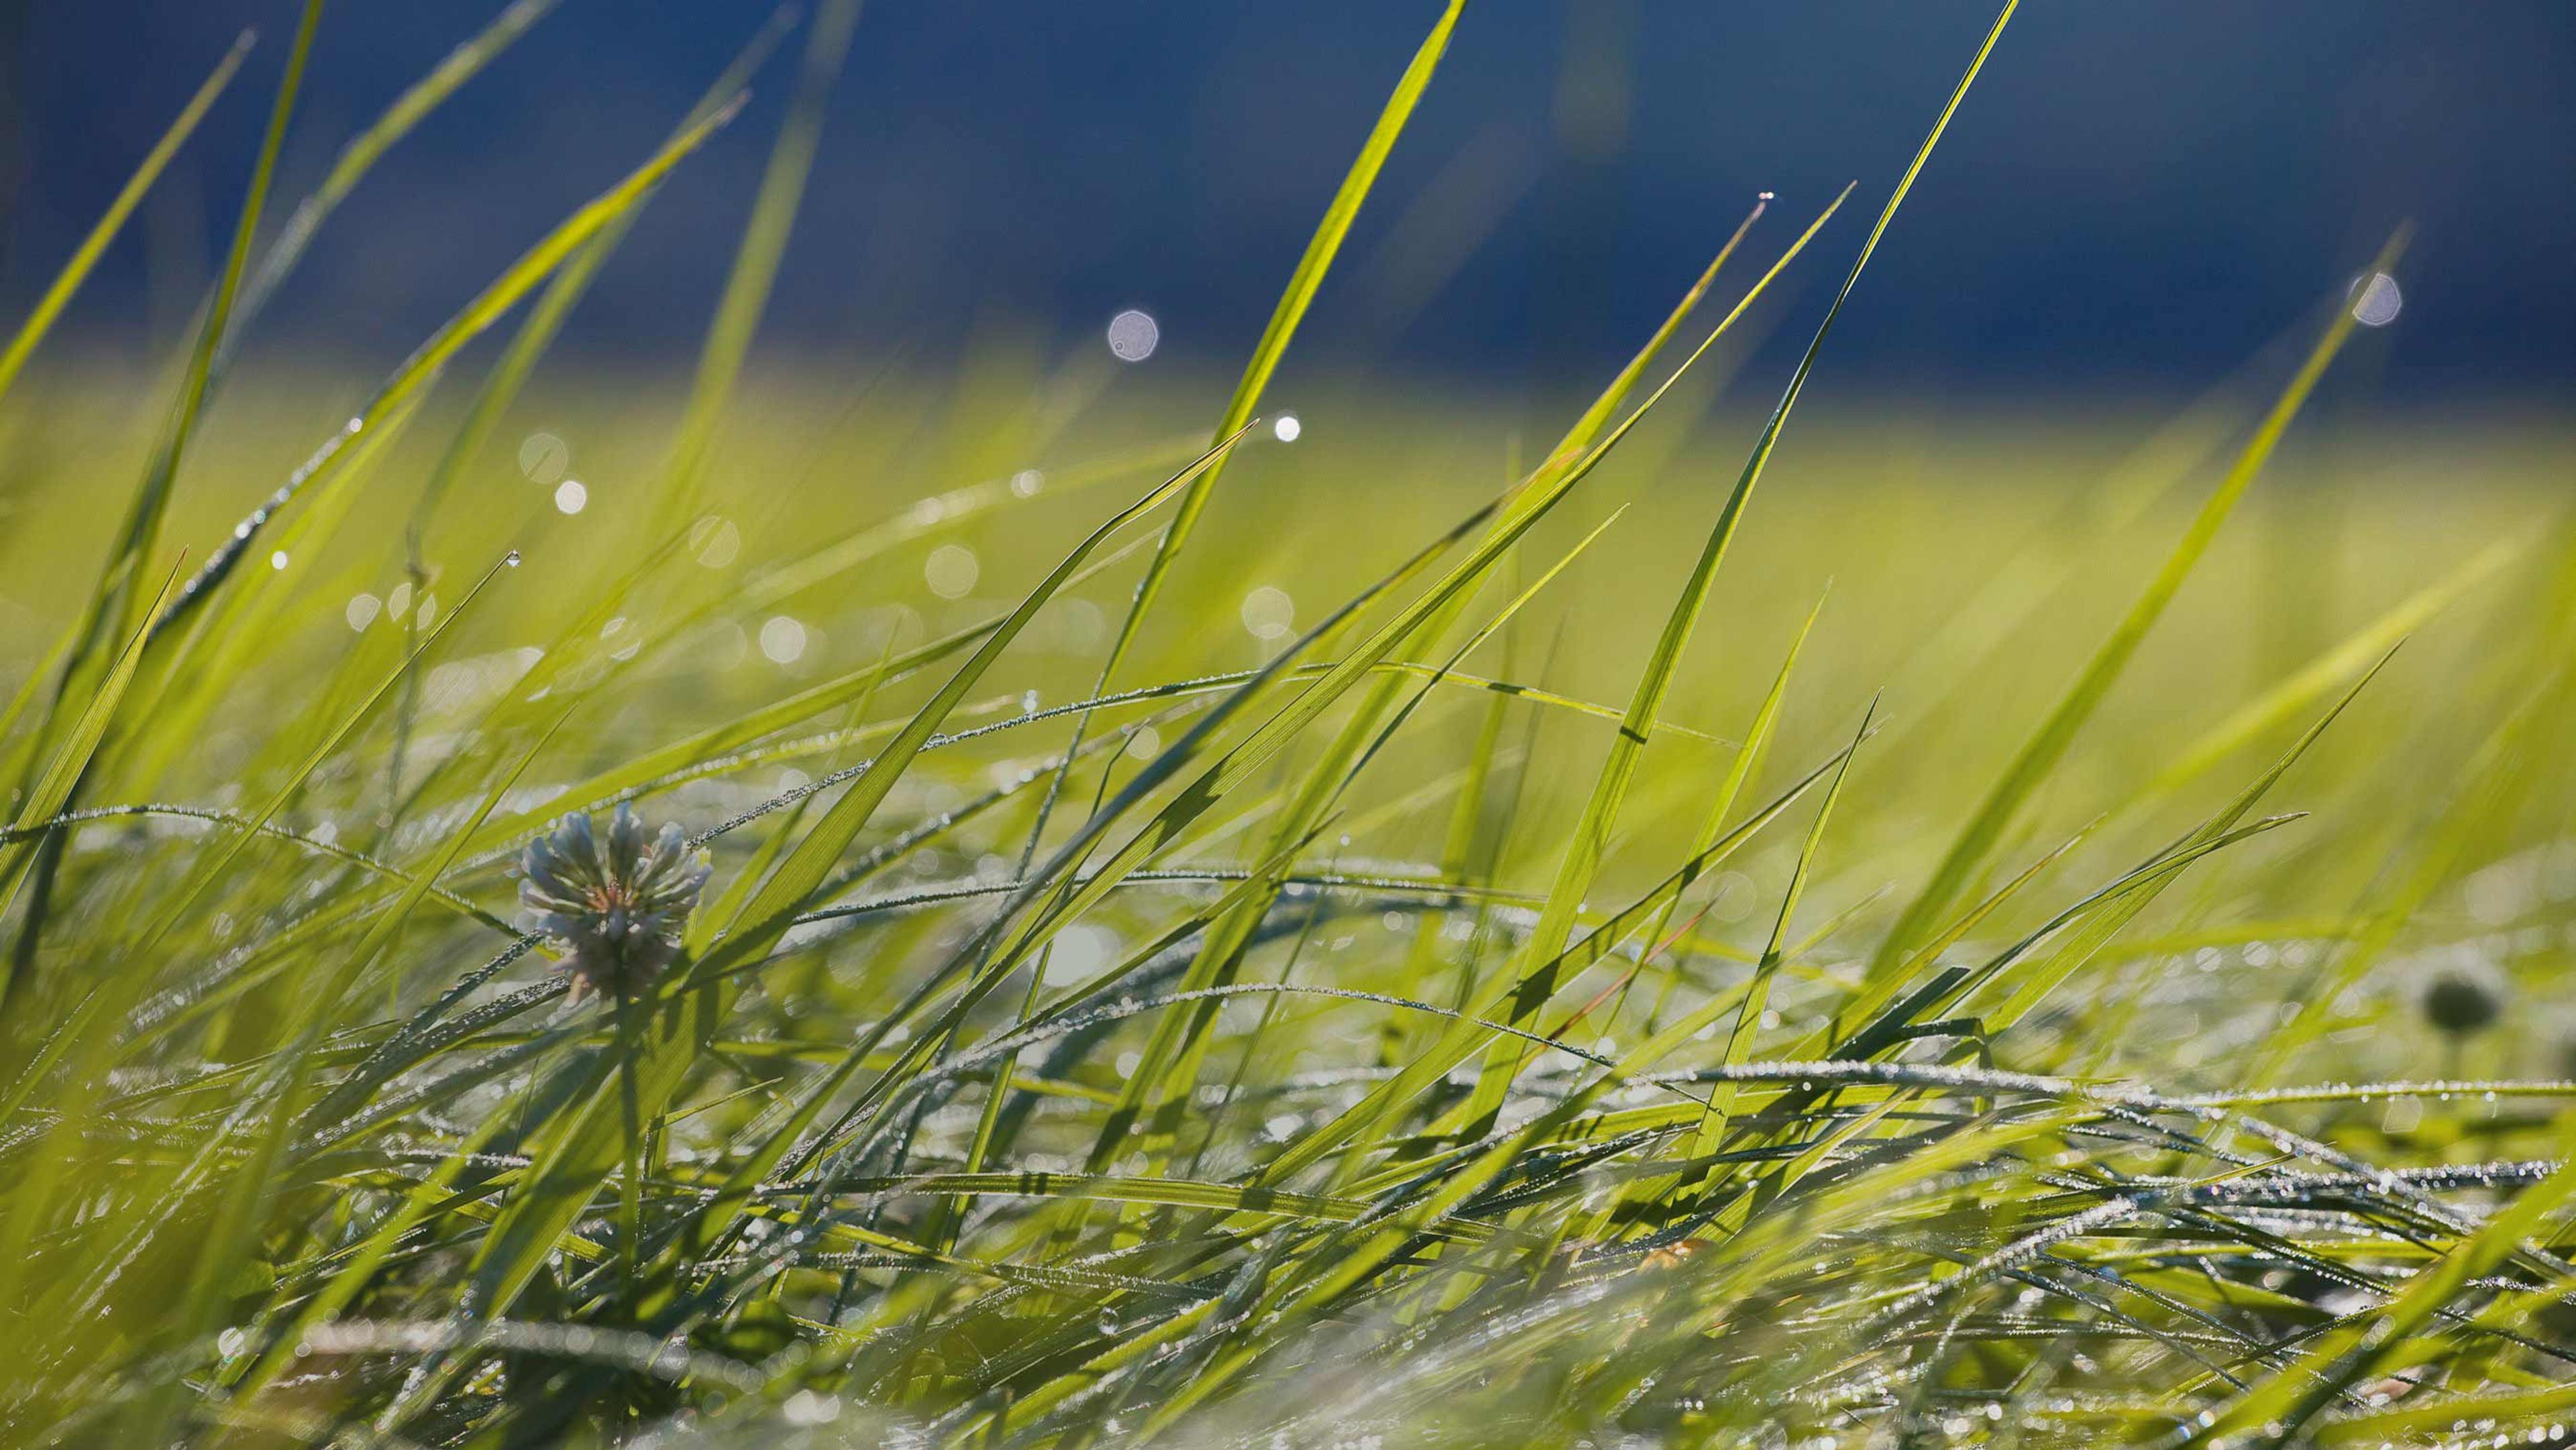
(615, 911)
(2464, 997)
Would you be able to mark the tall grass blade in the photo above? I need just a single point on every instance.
(755, 267)
(40, 319)
(1581, 861)
(364, 150)
(2050, 742)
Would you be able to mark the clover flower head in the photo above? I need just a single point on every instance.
(615, 908)
(2464, 997)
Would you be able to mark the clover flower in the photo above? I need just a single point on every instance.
(615, 908)
(2462, 998)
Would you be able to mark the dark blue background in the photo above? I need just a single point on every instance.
(2137, 193)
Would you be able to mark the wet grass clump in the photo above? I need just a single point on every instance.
(1027, 930)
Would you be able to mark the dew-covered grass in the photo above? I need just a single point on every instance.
(1706, 918)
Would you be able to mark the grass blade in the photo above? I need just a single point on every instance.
(1581, 862)
(40, 319)
(2050, 742)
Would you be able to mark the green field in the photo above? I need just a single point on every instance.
(1651, 919)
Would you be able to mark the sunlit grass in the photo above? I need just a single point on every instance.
(2031, 928)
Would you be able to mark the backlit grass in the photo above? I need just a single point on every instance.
(1732, 920)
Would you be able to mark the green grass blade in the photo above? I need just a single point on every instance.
(40, 319)
(2484, 789)
(788, 889)
(1748, 757)
(366, 148)
(1757, 996)
(2055, 735)
(755, 266)
(79, 1033)
(142, 530)
(1462, 1041)
(53, 789)
(1581, 861)
(219, 1260)
(1169, 1068)
(2275, 1411)
(487, 307)
(113, 610)
(589, 1145)
(2358, 651)
(1303, 283)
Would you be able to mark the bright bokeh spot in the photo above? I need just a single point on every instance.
(782, 639)
(544, 458)
(951, 570)
(1145, 744)
(1269, 613)
(715, 542)
(571, 497)
(2376, 300)
(277, 560)
(1077, 952)
(808, 1408)
(1073, 625)
(1285, 428)
(731, 645)
(362, 610)
(623, 636)
(1133, 335)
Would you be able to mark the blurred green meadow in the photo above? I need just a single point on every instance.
(1898, 521)
(1965, 564)
(1293, 908)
